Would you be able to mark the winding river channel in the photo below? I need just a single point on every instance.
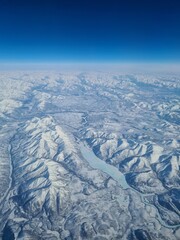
(115, 174)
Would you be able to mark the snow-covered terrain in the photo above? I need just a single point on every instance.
(89, 155)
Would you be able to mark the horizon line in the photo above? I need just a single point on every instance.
(95, 65)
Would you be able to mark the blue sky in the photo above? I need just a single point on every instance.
(90, 31)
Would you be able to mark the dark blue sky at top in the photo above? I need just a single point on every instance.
(89, 30)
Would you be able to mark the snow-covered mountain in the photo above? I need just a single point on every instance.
(92, 155)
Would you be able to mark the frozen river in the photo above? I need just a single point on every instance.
(97, 163)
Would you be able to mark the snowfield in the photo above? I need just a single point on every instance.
(89, 155)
